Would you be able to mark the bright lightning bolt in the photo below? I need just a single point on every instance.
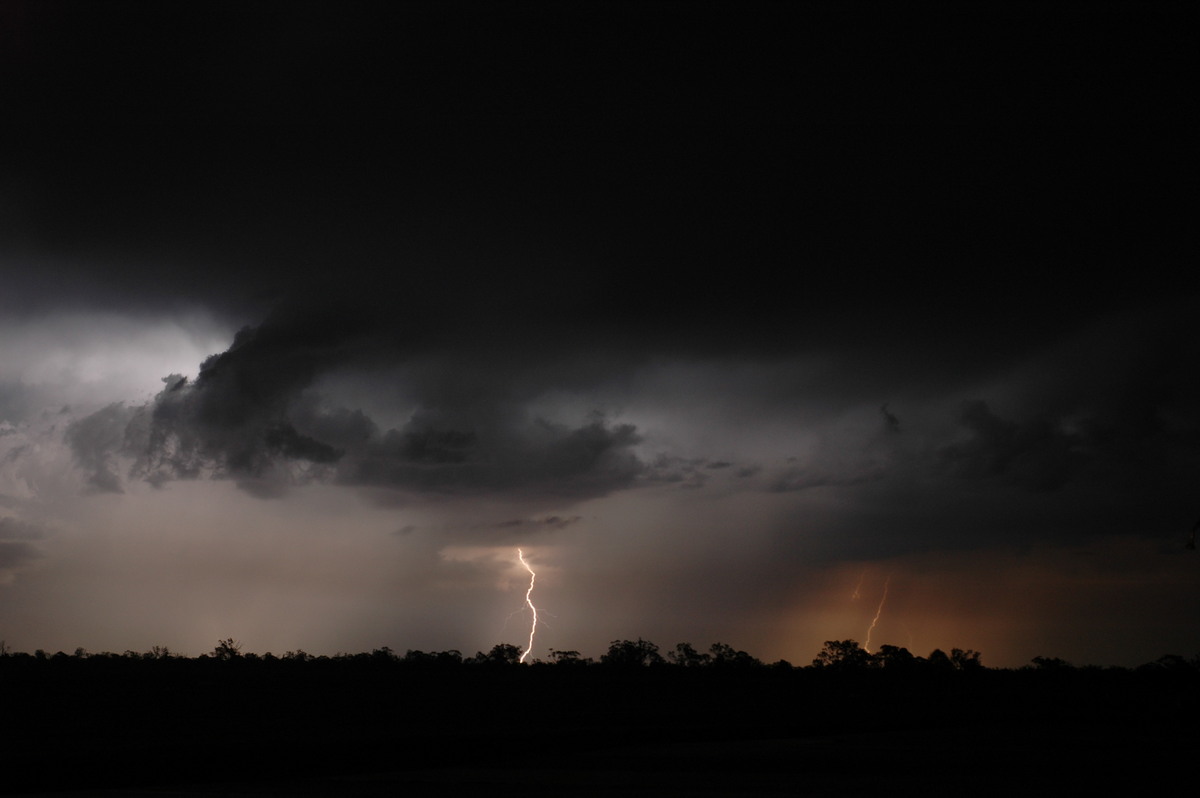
(529, 601)
(878, 612)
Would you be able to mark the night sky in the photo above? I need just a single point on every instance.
(747, 322)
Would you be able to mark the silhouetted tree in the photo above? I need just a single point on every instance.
(431, 659)
(687, 656)
(893, 658)
(842, 655)
(227, 649)
(629, 653)
(965, 659)
(449, 657)
(384, 655)
(417, 657)
(501, 654)
(938, 661)
(726, 656)
(567, 658)
(1173, 662)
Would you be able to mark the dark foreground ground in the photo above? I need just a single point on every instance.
(988, 762)
(201, 729)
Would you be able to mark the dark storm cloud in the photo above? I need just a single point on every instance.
(233, 420)
(572, 192)
(1116, 407)
(1009, 480)
(549, 254)
(252, 414)
(557, 459)
(1039, 454)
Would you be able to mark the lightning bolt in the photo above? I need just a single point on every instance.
(878, 612)
(858, 587)
(529, 601)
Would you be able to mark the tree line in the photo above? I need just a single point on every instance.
(842, 656)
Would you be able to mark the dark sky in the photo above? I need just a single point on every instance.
(312, 313)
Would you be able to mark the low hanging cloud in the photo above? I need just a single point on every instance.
(251, 415)
(303, 398)
(588, 460)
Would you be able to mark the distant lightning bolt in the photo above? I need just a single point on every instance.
(878, 612)
(529, 601)
(858, 587)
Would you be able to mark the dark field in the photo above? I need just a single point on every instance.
(368, 726)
